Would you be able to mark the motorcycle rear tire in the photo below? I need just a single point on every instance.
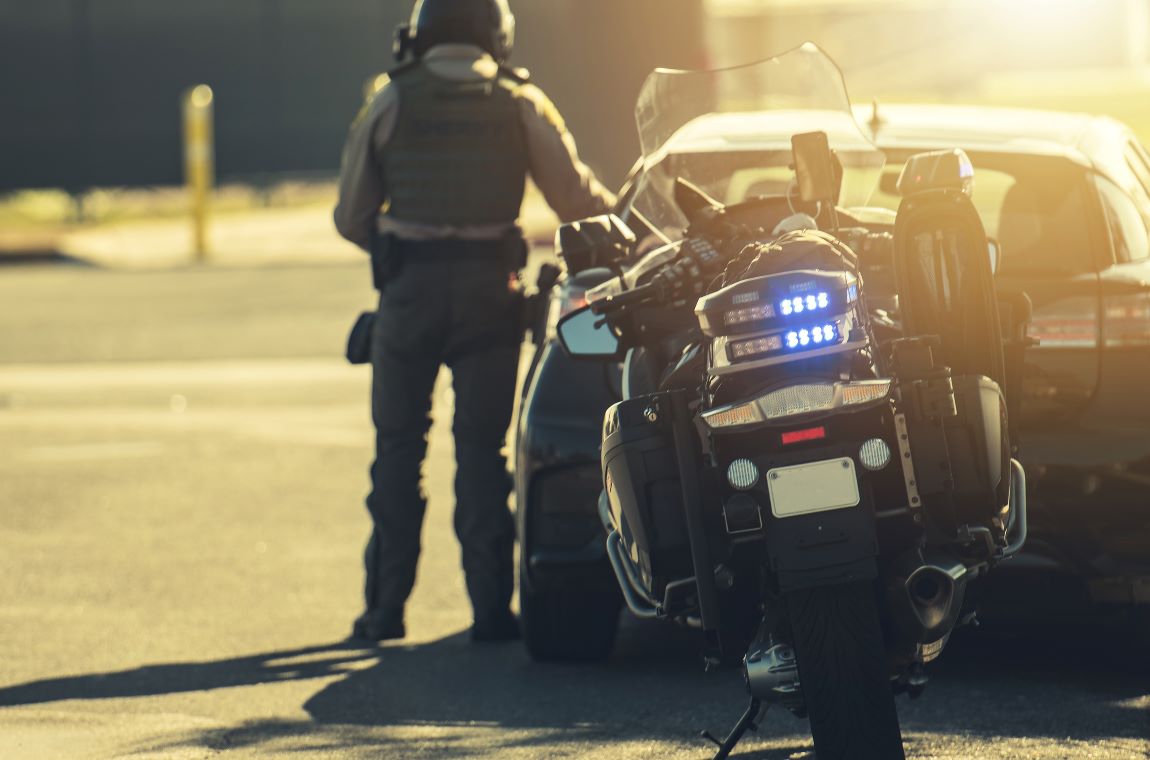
(843, 671)
(569, 625)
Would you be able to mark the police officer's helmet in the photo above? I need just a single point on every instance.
(488, 24)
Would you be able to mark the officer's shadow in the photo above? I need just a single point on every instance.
(653, 688)
(467, 699)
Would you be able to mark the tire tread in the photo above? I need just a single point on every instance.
(569, 625)
(843, 671)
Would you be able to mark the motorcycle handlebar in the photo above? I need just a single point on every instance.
(639, 296)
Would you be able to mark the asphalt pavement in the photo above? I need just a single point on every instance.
(183, 458)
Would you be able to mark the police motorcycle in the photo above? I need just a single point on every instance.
(813, 458)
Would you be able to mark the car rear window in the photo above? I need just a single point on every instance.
(1127, 225)
(1035, 206)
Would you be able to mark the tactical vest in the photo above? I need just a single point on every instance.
(458, 155)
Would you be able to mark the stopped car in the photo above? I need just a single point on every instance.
(1067, 199)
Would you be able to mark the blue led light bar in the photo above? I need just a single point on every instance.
(779, 302)
(801, 304)
(792, 341)
(819, 335)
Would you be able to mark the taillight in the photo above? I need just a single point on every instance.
(802, 436)
(1069, 323)
(794, 400)
(1126, 321)
(567, 499)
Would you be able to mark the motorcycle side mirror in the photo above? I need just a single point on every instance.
(817, 169)
(600, 241)
(585, 335)
(995, 251)
(693, 201)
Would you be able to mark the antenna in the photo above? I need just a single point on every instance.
(876, 120)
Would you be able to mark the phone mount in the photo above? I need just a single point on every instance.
(403, 44)
(818, 171)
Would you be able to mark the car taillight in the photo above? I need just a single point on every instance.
(566, 514)
(1126, 321)
(1069, 323)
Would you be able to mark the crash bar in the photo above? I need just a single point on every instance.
(1018, 523)
(641, 605)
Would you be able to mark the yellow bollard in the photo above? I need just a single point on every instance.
(199, 161)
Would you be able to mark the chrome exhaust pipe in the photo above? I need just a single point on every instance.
(925, 598)
(936, 592)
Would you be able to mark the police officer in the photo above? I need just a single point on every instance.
(433, 179)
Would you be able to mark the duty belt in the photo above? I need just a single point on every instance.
(390, 253)
(504, 250)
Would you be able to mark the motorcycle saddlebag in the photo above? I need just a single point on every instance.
(977, 439)
(643, 489)
(962, 460)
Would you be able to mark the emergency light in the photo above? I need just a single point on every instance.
(779, 318)
(803, 300)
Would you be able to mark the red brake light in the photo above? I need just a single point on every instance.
(800, 436)
(1127, 321)
(1068, 323)
(1076, 323)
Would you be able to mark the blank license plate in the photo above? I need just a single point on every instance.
(813, 487)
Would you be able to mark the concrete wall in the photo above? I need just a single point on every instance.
(90, 88)
(592, 56)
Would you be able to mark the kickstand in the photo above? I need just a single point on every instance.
(747, 722)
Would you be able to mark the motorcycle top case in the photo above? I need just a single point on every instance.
(641, 475)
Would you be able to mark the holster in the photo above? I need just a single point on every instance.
(515, 250)
(386, 259)
(535, 304)
(359, 341)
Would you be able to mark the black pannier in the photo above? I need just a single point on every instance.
(644, 490)
(957, 429)
(979, 447)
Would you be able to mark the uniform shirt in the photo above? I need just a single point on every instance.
(568, 186)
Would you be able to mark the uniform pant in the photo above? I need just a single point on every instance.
(455, 311)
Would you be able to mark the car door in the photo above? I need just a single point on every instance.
(1121, 408)
(1053, 241)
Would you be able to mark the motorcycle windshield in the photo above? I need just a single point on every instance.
(729, 132)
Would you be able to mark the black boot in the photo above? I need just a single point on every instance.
(379, 625)
(498, 626)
